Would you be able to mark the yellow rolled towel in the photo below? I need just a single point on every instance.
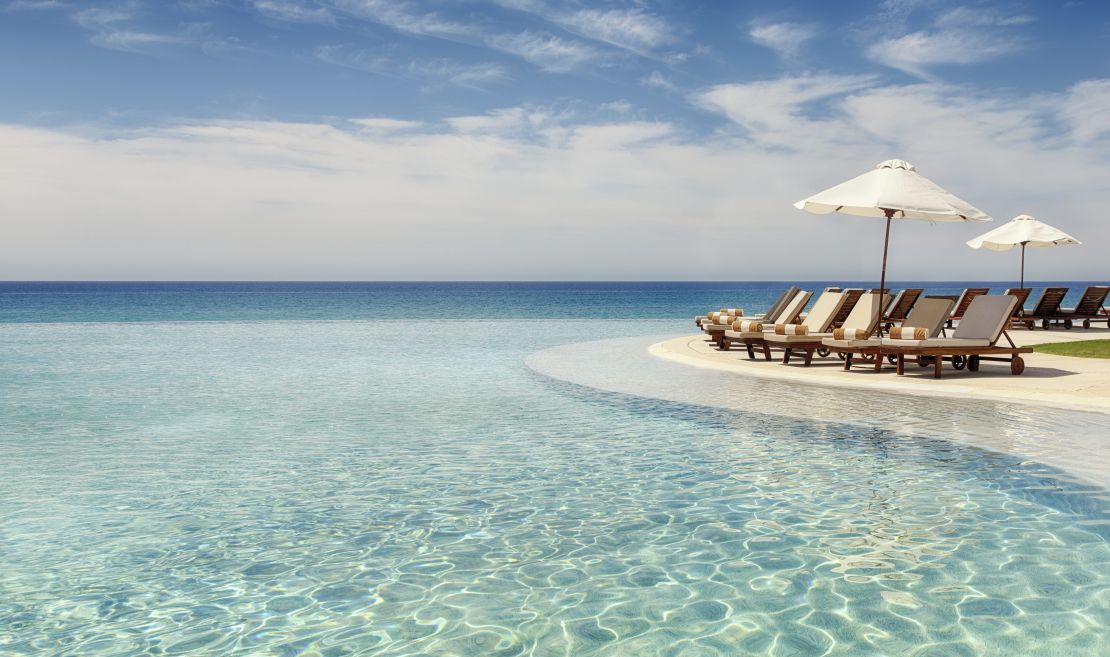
(747, 326)
(791, 329)
(735, 312)
(909, 333)
(849, 334)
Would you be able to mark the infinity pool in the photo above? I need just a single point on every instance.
(375, 488)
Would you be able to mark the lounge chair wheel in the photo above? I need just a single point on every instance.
(1017, 365)
(1067, 324)
(841, 355)
(823, 352)
(1086, 323)
(1045, 324)
(924, 361)
(869, 358)
(892, 359)
(959, 362)
(973, 363)
(725, 345)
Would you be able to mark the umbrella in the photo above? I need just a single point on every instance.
(893, 190)
(1025, 231)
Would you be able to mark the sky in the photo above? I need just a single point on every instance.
(540, 140)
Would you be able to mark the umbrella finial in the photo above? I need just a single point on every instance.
(896, 164)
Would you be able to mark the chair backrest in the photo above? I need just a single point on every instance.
(794, 307)
(821, 315)
(851, 297)
(867, 312)
(900, 308)
(965, 300)
(930, 314)
(1048, 304)
(1022, 294)
(1091, 302)
(776, 308)
(986, 317)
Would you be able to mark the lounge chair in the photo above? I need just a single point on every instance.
(862, 321)
(900, 307)
(851, 297)
(752, 334)
(783, 299)
(1090, 308)
(964, 301)
(928, 314)
(716, 325)
(1047, 309)
(974, 340)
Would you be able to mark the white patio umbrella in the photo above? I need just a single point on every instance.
(1025, 231)
(893, 190)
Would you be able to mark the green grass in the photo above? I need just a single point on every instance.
(1082, 348)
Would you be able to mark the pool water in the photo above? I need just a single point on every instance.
(399, 488)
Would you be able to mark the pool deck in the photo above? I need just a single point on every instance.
(1059, 381)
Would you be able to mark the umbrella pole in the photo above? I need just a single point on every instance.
(882, 278)
(1023, 264)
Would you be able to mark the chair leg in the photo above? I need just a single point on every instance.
(847, 361)
(900, 365)
(809, 357)
(751, 352)
(938, 361)
(766, 351)
(786, 356)
(726, 344)
(878, 362)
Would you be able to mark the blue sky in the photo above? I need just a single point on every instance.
(466, 139)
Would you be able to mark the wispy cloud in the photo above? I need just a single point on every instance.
(547, 51)
(635, 30)
(35, 5)
(405, 17)
(785, 38)
(111, 27)
(959, 36)
(659, 81)
(294, 11)
(431, 71)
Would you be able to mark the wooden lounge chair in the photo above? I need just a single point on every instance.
(715, 325)
(974, 340)
(824, 309)
(1047, 309)
(785, 297)
(1090, 308)
(851, 298)
(900, 307)
(929, 314)
(864, 318)
(964, 301)
(1022, 295)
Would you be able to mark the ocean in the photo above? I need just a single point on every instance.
(374, 469)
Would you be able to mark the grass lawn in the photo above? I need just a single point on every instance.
(1082, 349)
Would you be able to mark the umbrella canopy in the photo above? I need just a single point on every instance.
(893, 189)
(1022, 231)
(892, 185)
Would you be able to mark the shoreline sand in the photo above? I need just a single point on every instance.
(1058, 381)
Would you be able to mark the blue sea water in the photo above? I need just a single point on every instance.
(372, 469)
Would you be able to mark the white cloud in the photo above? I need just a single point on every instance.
(778, 112)
(111, 30)
(359, 60)
(533, 192)
(659, 81)
(959, 36)
(547, 51)
(290, 10)
(631, 29)
(404, 17)
(473, 76)
(784, 38)
(34, 5)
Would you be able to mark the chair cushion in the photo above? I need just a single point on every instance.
(909, 332)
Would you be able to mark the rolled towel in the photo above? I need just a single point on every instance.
(735, 312)
(747, 326)
(909, 333)
(791, 329)
(849, 334)
(727, 320)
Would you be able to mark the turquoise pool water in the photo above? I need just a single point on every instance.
(399, 488)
